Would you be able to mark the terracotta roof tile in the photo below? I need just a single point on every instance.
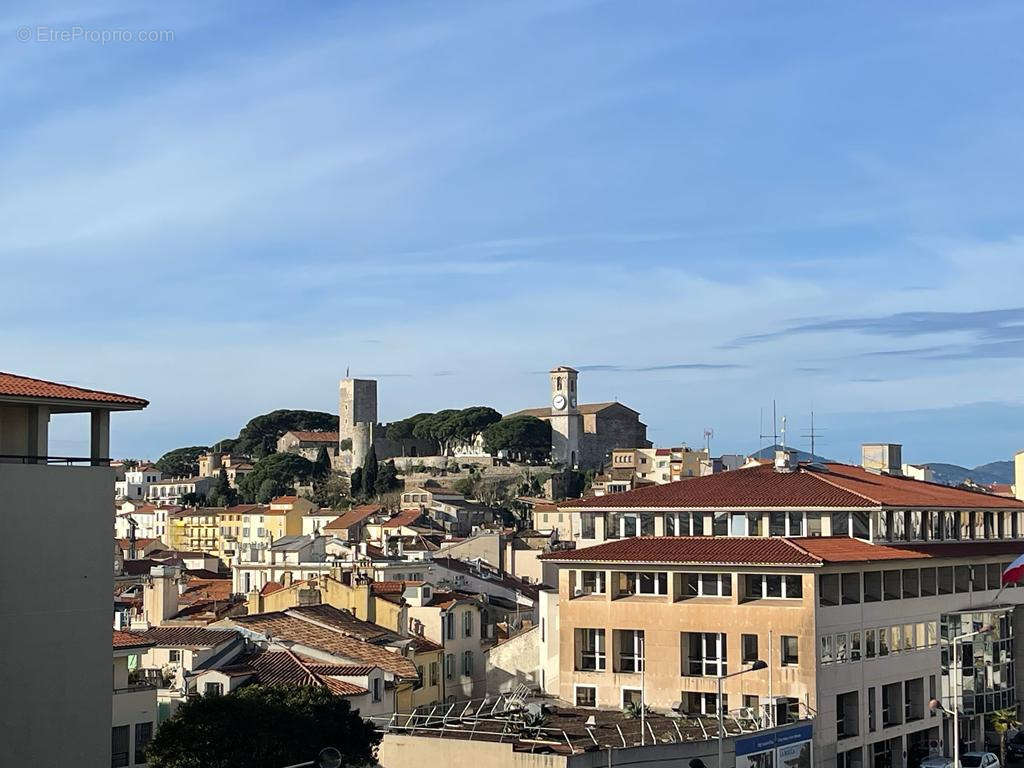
(816, 487)
(703, 550)
(403, 518)
(13, 385)
(130, 640)
(287, 668)
(353, 517)
(199, 637)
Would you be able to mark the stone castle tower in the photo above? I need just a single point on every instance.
(357, 415)
(566, 421)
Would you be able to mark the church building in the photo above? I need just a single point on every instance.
(584, 434)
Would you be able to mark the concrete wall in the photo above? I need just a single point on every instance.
(487, 546)
(399, 750)
(514, 662)
(57, 642)
(663, 621)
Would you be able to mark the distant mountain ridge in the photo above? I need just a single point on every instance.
(983, 474)
(947, 474)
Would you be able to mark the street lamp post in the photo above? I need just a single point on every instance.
(935, 704)
(758, 664)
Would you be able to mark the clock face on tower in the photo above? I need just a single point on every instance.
(558, 401)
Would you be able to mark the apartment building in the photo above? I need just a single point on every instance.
(63, 500)
(134, 706)
(252, 528)
(785, 498)
(195, 529)
(136, 483)
(174, 490)
(149, 520)
(855, 633)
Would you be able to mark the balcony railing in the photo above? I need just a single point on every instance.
(135, 688)
(10, 458)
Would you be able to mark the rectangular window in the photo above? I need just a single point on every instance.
(174, 656)
(213, 689)
(855, 646)
(796, 524)
(590, 643)
(790, 651)
(993, 573)
(851, 588)
(642, 583)
(872, 586)
(630, 645)
(772, 586)
(911, 587)
(828, 589)
(586, 696)
(872, 725)
(433, 673)
(869, 643)
(946, 580)
(450, 626)
(593, 582)
(749, 644)
(119, 746)
(892, 704)
(827, 644)
(883, 641)
(449, 666)
(706, 584)
(847, 714)
(587, 526)
(776, 523)
(891, 588)
(928, 582)
(962, 578)
(913, 699)
(467, 624)
(706, 654)
(841, 641)
(377, 689)
(467, 663)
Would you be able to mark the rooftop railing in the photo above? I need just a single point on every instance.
(10, 458)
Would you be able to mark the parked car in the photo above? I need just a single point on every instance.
(979, 760)
(1015, 746)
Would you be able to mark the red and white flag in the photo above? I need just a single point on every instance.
(1014, 572)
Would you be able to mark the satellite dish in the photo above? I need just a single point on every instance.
(329, 757)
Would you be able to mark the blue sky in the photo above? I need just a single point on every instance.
(701, 206)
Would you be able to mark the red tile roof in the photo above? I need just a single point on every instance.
(353, 517)
(288, 668)
(271, 587)
(827, 486)
(124, 640)
(775, 551)
(195, 637)
(403, 518)
(12, 385)
(703, 550)
(284, 500)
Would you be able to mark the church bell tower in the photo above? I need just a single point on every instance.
(566, 422)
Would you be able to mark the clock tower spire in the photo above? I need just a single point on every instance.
(566, 422)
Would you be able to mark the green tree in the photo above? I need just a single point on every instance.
(333, 493)
(258, 438)
(370, 469)
(274, 475)
(261, 726)
(222, 494)
(322, 465)
(181, 462)
(1004, 720)
(520, 436)
(387, 478)
(355, 483)
(403, 430)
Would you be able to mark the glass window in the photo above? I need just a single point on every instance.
(591, 646)
(891, 585)
(828, 587)
(586, 696)
(749, 644)
(911, 587)
(883, 641)
(796, 523)
(872, 586)
(928, 582)
(593, 582)
(851, 588)
(855, 646)
(119, 745)
(869, 643)
(841, 640)
(794, 586)
(790, 651)
(776, 523)
(945, 580)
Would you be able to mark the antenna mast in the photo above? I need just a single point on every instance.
(708, 434)
(775, 424)
(814, 434)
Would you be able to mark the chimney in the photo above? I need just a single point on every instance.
(784, 461)
(401, 546)
(882, 458)
(160, 595)
(286, 579)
